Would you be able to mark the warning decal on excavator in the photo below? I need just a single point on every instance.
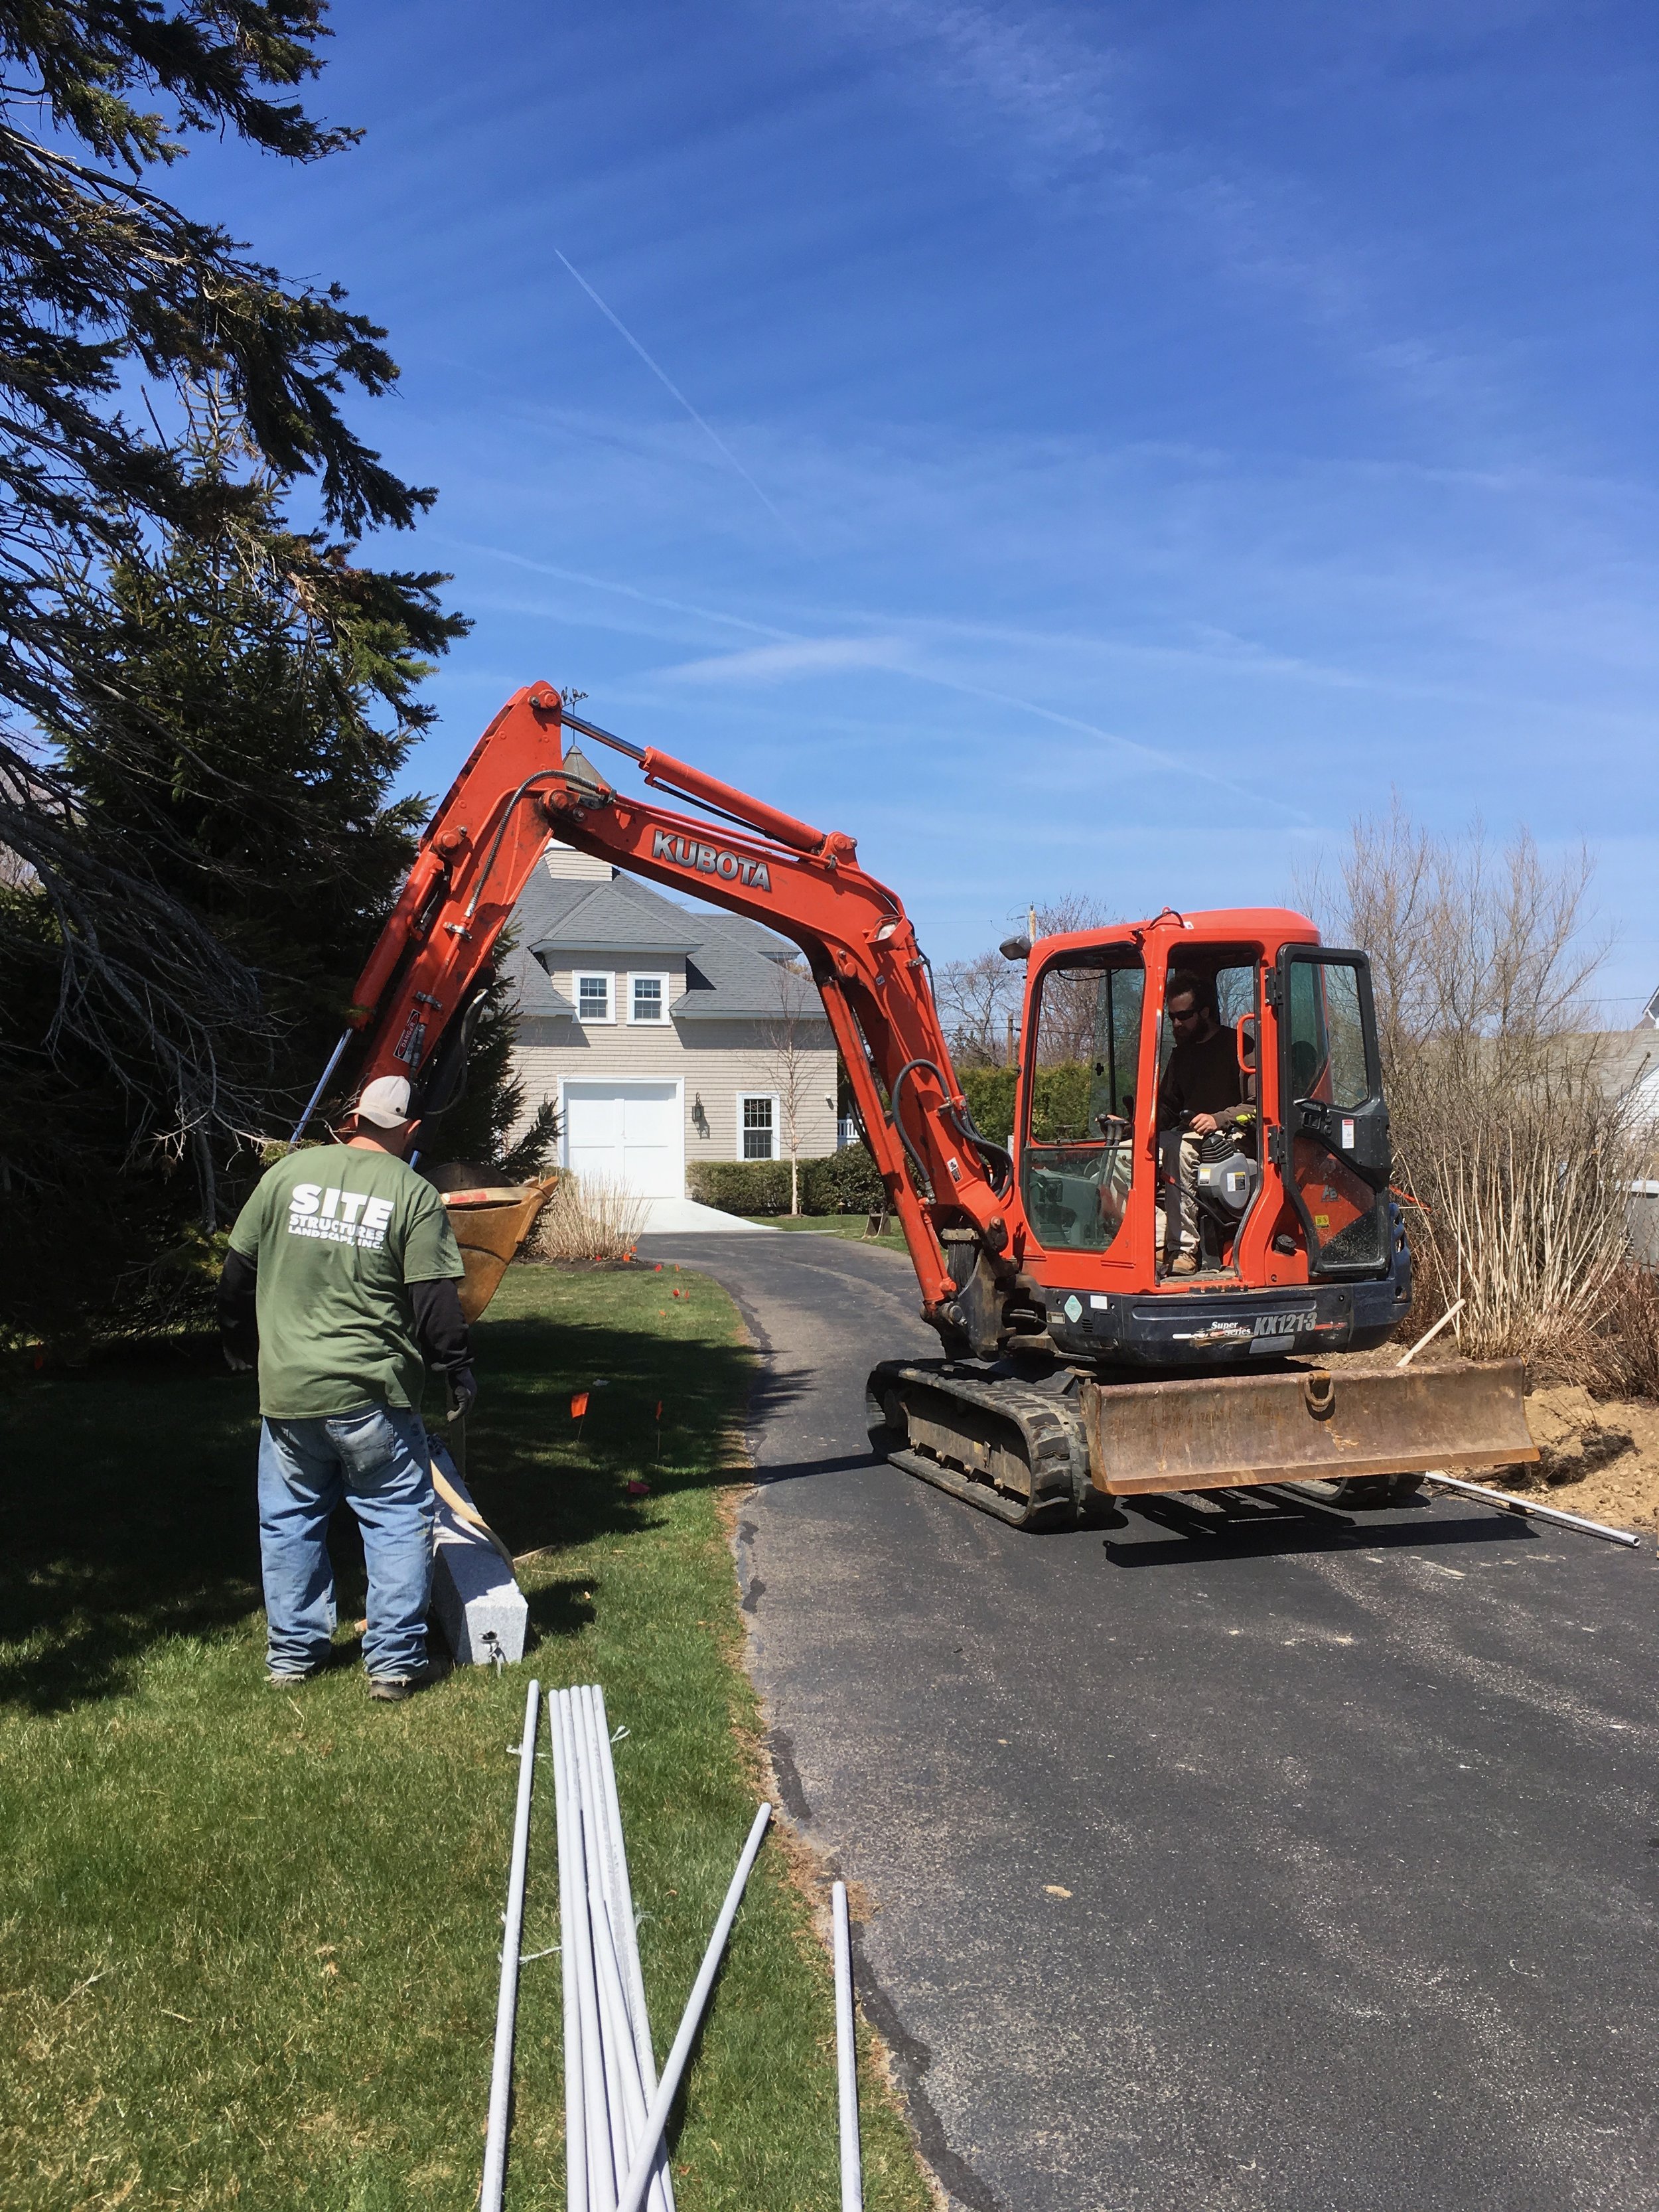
(710, 860)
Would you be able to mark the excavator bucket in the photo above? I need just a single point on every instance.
(1308, 1425)
(491, 1224)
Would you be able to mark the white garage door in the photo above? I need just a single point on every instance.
(627, 1134)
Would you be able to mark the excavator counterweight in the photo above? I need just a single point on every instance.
(1141, 1290)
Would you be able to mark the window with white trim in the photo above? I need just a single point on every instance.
(757, 1126)
(647, 998)
(593, 998)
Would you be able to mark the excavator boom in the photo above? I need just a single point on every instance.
(520, 787)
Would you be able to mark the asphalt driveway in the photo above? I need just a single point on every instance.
(1275, 1857)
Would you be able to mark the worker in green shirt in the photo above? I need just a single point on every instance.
(341, 1281)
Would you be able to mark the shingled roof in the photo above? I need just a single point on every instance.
(731, 962)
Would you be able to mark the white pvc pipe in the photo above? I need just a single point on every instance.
(616, 2034)
(847, 2076)
(619, 2041)
(639, 2173)
(593, 1850)
(596, 2118)
(621, 1895)
(618, 1908)
(506, 2002)
(575, 2131)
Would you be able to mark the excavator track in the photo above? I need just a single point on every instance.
(1014, 1451)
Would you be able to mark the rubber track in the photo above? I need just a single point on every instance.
(1051, 1432)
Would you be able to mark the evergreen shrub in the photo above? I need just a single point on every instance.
(843, 1183)
(1059, 1104)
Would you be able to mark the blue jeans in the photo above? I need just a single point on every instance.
(376, 1460)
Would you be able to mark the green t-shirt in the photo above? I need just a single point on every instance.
(337, 1235)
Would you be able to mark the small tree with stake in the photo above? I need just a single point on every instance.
(792, 1035)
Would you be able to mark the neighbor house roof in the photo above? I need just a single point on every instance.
(732, 962)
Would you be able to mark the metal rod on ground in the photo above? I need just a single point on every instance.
(575, 2132)
(847, 2074)
(322, 1085)
(1430, 1335)
(639, 2174)
(506, 2004)
(1503, 1499)
(619, 1897)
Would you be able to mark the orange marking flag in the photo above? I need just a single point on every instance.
(578, 1405)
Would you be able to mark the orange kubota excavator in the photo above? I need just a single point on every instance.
(1075, 1361)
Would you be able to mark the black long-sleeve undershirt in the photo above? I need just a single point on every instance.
(439, 1328)
(238, 1331)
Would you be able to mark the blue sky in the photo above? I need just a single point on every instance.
(1128, 441)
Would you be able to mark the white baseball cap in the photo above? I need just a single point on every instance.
(384, 1102)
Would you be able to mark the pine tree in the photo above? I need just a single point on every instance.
(255, 690)
(116, 980)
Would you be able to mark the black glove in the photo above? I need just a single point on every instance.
(463, 1392)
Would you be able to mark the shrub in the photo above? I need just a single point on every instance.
(848, 1181)
(845, 1182)
(1059, 1104)
(1509, 1134)
(586, 1220)
(740, 1185)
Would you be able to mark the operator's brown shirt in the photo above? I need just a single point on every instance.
(1200, 1078)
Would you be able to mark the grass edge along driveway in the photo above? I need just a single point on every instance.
(249, 1940)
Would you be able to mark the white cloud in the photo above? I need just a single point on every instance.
(780, 664)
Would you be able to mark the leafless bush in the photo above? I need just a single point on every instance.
(1516, 1148)
(1631, 1334)
(585, 1219)
(1523, 1193)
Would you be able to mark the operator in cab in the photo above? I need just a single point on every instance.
(1201, 1082)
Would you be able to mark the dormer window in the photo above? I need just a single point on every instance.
(647, 998)
(594, 998)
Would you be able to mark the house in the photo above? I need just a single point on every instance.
(668, 1034)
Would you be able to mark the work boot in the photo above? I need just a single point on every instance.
(1185, 1263)
(392, 1689)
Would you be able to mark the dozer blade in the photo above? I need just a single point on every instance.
(1011, 1450)
(1309, 1425)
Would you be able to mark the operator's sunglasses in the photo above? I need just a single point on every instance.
(1191, 1014)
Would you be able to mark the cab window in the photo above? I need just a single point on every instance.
(1076, 1162)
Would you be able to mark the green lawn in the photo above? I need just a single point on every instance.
(248, 1940)
(834, 1225)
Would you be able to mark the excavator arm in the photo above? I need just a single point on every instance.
(416, 1001)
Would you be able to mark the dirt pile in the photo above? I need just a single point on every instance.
(1601, 1455)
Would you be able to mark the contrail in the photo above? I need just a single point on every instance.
(669, 384)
